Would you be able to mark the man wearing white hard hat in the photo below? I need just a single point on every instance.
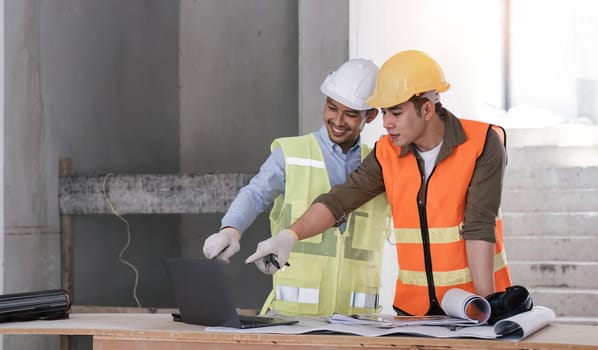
(337, 271)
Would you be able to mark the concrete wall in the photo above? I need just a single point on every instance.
(323, 46)
(96, 82)
(264, 61)
(25, 235)
(148, 86)
(1, 152)
(117, 111)
(238, 69)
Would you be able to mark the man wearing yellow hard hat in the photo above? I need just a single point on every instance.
(443, 179)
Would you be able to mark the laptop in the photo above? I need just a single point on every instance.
(202, 295)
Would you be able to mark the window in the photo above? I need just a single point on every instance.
(515, 63)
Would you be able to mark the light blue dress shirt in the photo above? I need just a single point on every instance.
(258, 196)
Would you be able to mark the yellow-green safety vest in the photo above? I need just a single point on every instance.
(331, 272)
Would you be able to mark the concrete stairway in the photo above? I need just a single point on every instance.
(550, 212)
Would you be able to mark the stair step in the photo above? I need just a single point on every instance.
(559, 135)
(552, 274)
(550, 223)
(553, 156)
(554, 199)
(568, 302)
(540, 177)
(557, 248)
(550, 217)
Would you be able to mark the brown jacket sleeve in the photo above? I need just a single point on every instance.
(362, 185)
(485, 191)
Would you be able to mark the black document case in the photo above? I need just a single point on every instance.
(45, 304)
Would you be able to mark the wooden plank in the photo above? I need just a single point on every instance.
(114, 330)
(149, 193)
(112, 343)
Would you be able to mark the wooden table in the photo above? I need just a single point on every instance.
(138, 331)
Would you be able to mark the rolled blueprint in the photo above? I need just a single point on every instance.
(463, 304)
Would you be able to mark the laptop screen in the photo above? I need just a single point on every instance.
(201, 292)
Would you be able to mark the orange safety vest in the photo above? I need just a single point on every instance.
(430, 250)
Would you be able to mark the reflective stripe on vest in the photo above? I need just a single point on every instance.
(446, 193)
(364, 300)
(298, 295)
(312, 296)
(342, 268)
(305, 162)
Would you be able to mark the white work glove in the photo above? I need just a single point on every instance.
(279, 246)
(222, 245)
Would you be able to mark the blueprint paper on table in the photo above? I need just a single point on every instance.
(514, 328)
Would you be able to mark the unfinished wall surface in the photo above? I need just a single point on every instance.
(2, 83)
(31, 236)
(323, 46)
(110, 85)
(238, 72)
(96, 81)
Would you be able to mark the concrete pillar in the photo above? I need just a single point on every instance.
(323, 46)
(1, 149)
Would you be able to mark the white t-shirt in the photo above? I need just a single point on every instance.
(429, 158)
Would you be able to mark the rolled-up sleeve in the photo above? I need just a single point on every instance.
(363, 184)
(485, 191)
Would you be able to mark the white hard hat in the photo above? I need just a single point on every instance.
(352, 83)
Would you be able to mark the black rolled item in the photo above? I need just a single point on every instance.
(514, 300)
(39, 305)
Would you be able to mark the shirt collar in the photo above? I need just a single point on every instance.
(333, 147)
(454, 135)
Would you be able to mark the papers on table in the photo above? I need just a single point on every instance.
(371, 320)
(390, 321)
(514, 328)
(462, 308)
(467, 316)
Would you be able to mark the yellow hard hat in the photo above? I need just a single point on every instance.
(406, 74)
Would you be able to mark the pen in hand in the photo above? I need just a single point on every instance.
(271, 259)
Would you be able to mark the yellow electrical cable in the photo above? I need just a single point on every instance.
(122, 251)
